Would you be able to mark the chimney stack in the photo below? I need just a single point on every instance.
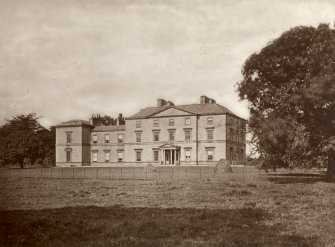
(212, 101)
(161, 102)
(170, 103)
(205, 100)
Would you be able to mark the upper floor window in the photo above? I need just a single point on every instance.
(156, 122)
(171, 122)
(106, 138)
(210, 134)
(94, 138)
(68, 137)
(138, 136)
(187, 135)
(187, 121)
(210, 121)
(171, 135)
(120, 138)
(138, 124)
(156, 136)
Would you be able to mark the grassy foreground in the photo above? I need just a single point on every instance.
(278, 211)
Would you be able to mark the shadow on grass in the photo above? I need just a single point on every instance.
(120, 226)
(294, 178)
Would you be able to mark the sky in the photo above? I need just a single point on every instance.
(69, 59)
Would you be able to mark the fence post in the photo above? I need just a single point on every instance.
(146, 173)
(96, 173)
(243, 173)
(200, 172)
(121, 172)
(51, 171)
(9, 172)
(109, 173)
(84, 172)
(30, 172)
(41, 172)
(62, 172)
(159, 173)
(134, 172)
(172, 173)
(186, 171)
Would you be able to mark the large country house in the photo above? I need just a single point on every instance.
(195, 134)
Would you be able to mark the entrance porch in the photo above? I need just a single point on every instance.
(169, 154)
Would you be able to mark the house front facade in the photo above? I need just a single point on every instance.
(195, 134)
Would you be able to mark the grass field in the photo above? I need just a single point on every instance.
(278, 210)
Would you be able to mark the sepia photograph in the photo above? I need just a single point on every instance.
(167, 123)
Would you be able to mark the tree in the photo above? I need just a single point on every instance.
(290, 85)
(23, 138)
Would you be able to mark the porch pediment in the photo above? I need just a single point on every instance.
(169, 146)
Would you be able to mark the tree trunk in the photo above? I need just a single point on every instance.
(331, 164)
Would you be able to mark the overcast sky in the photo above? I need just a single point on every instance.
(68, 59)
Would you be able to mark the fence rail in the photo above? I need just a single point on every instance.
(177, 172)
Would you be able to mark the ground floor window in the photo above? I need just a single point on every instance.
(138, 155)
(95, 156)
(120, 156)
(107, 156)
(210, 154)
(68, 155)
(156, 155)
(188, 154)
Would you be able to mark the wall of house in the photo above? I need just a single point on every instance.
(75, 146)
(113, 147)
(236, 139)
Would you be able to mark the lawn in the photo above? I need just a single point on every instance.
(279, 210)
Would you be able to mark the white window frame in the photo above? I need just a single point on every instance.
(171, 122)
(156, 123)
(138, 124)
(188, 153)
(155, 132)
(68, 137)
(95, 156)
(68, 154)
(120, 156)
(138, 155)
(119, 140)
(154, 157)
(138, 136)
(94, 138)
(210, 153)
(107, 138)
(210, 120)
(107, 156)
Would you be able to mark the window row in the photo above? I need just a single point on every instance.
(187, 133)
(107, 156)
(107, 138)
(187, 121)
(120, 154)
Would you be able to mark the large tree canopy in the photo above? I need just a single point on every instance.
(23, 138)
(290, 85)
